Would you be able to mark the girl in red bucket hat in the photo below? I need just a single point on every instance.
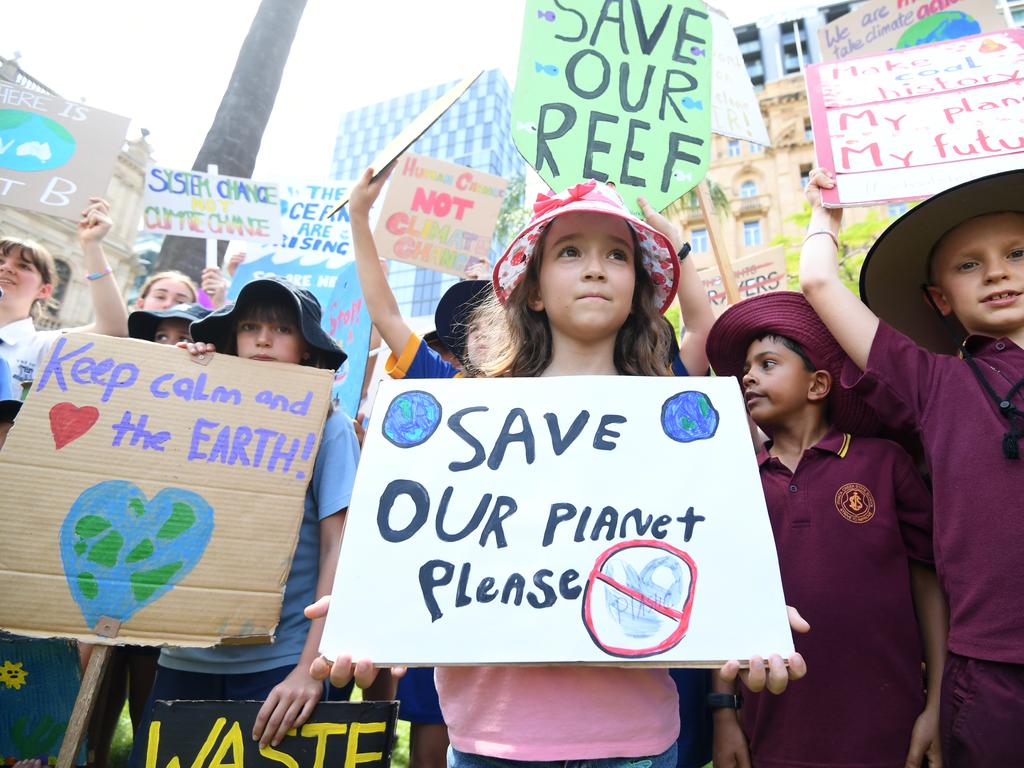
(580, 291)
(852, 524)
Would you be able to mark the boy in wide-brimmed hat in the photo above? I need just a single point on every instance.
(948, 278)
(852, 524)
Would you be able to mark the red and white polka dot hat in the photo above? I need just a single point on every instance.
(656, 253)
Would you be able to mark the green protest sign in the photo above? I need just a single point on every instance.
(616, 91)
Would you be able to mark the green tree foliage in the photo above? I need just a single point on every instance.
(854, 242)
(514, 212)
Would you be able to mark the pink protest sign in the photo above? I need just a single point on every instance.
(906, 124)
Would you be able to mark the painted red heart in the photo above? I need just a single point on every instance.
(69, 422)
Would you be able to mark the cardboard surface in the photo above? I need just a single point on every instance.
(142, 486)
(415, 129)
(763, 272)
(219, 733)
(55, 154)
(735, 111)
(878, 26)
(210, 206)
(438, 215)
(314, 242)
(38, 683)
(593, 519)
(907, 124)
(621, 96)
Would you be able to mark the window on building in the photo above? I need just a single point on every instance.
(748, 189)
(754, 148)
(808, 132)
(734, 148)
(752, 232)
(898, 209)
(805, 176)
(699, 240)
(791, 63)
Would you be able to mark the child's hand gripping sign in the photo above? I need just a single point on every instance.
(554, 520)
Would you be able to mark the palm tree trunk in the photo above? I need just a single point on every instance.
(233, 141)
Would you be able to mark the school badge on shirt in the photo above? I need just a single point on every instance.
(855, 502)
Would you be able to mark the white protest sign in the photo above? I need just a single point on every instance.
(909, 123)
(593, 519)
(735, 111)
(210, 206)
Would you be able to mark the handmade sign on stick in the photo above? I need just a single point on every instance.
(196, 204)
(910, 123)
(616, 92)
(140, 485)
(593, 519)
(758, 273)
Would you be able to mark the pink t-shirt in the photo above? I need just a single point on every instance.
(559, 713)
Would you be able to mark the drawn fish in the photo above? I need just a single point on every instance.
(991, 46)
(684, 176)
(698, 51)
(526, 127)
(547, 69)
(689, 103)
(546, 15)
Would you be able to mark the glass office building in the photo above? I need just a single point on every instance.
(475, 132)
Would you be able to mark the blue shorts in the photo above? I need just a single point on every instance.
(666, 759)
(694, 716)
(417, 697)
(174, 685)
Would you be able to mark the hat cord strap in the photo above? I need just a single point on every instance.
(1012, 414)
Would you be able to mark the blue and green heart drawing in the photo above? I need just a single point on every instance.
(121, 551)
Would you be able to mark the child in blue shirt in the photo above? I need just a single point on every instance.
(274, 320)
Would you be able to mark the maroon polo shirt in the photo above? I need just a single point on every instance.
(979, 493)
(845, 524)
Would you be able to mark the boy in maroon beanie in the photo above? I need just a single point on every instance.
(852, 524)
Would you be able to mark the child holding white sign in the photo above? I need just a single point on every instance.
(579, 291)
(946, 355)
(852, 524)
(28, 276)
(273, 320)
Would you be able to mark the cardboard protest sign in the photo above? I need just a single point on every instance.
(416, 128)
(735, 111)
(347, 319)
(55, 154)
(762, 272)
(212, 207)
(621, 96)
(908, 124)
(39, 680)
(314, 242)
(593, 519)
(878, 26)
(206, 734)
(438, 215)
(140, 485)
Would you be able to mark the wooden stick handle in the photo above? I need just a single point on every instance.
(84, 703)
(732, 293)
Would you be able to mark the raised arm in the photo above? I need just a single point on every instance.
(849, 320)
(109, 305)
(380, 301)
(695, 308)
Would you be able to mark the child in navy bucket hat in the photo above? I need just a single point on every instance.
(852, 524)
(273, 320)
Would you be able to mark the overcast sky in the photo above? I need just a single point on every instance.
(165, 64)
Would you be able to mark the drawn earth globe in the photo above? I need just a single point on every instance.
(411, 418)
(944, 25)
(33, 142)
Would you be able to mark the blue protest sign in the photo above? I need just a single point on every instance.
(348, 321)
(313, 244)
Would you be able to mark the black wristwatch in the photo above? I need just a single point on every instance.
(724, 701)
(683, 252)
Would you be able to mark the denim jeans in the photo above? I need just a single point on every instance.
(666, 759)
